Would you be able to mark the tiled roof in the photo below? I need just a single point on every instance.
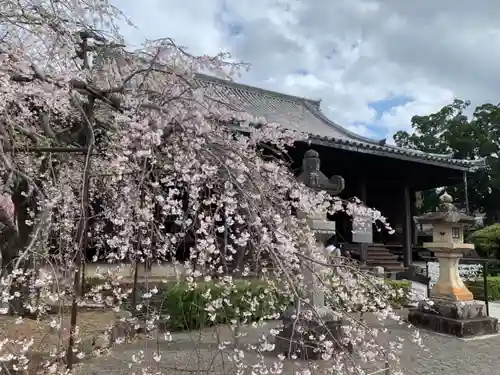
(306, 116)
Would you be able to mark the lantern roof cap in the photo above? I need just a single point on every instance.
(446, 212)
(446, 198)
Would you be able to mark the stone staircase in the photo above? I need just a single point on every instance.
(379, 255)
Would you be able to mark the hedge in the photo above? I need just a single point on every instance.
(477, 288)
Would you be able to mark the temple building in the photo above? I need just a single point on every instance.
(383, 176)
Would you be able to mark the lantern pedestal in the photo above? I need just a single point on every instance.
(303, 325)
(449, 286)
(454, 310)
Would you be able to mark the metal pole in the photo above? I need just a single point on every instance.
(485, 286)
(427, 274)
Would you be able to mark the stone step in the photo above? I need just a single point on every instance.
(382, 256)
(379, 255)
(391, 268)
(383, 264)
(375, 255)
(383, 259)
(381, 252)
(378, 247)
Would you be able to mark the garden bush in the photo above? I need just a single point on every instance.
(401, 295)
(487, 241)
(207, 304)
(477, 288)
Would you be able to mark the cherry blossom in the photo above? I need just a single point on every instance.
(118, 150)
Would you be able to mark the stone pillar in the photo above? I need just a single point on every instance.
(323, 230)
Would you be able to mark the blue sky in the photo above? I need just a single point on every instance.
(373, 63)
(385, 105)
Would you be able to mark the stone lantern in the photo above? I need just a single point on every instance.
(454, 310)
(303, 324)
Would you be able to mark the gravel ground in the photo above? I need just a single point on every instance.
(191, 353)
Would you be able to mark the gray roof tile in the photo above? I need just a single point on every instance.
(306, 116)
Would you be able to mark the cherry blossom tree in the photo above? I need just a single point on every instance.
(122, 150)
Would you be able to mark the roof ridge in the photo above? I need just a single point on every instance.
(316, 111)
(237, 85)
(313, 106)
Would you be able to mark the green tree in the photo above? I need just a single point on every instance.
(451, 131)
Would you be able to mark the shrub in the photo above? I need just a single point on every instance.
(209, 303)
(401, 295)
(206, 304)
(477, 288)
(487, 241)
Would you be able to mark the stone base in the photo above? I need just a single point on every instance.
(295, 338)
(456, 310)
(480, 325)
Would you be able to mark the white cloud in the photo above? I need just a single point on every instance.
(362, 130)
(354, 51)
(190, 23)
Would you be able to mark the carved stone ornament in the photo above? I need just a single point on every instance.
(313, 177)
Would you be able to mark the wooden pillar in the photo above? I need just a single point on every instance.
(414, 212)
(407, 224)
(363, 193)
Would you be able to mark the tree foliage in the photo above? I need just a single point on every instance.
(452, 131)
